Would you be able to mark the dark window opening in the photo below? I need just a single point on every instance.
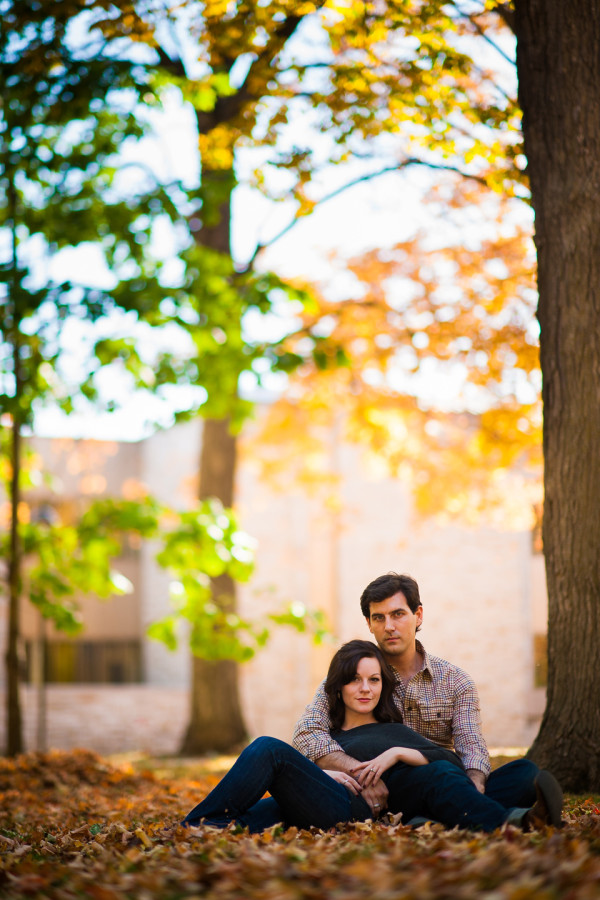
(88, 662)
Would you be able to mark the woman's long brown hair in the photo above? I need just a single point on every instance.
(342, 670)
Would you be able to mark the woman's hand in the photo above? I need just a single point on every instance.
(347, 780)
(368, 773)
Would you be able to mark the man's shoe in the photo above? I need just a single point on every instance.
(547, 808)
(419, 821)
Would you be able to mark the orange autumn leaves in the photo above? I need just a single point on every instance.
(427, 357)
(72, 825)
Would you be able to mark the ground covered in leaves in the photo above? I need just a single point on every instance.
(74, 825)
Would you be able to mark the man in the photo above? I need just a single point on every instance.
(436, 698)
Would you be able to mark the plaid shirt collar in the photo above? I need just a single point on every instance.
(425, 668)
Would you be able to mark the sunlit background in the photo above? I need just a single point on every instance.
(410, 442)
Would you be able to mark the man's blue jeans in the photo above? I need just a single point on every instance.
(443, 792)
(302, 794)
(513, 784)
(421, 791)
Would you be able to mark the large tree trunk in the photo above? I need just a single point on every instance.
(216, 721)
(558, 59)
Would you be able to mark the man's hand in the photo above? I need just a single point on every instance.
(478, 779)
(338, 761)
(377, 797)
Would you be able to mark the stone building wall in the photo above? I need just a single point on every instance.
(108, 718)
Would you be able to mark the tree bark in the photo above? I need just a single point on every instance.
(14, 725)
(14, 730)
(558, 61)
(216, 721)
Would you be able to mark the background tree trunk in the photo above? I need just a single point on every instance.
(216, 721)
(14, 724)
(558, 59)
(14, 743)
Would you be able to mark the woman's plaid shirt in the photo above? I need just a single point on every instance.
(440, 702)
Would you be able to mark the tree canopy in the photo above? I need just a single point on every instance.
(282, 95)
(69, 110)
(298, 101)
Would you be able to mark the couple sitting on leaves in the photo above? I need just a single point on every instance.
(355, 758)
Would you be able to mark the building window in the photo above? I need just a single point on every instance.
(540, 660)
(88, 662)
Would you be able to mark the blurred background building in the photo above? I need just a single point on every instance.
(113, 690)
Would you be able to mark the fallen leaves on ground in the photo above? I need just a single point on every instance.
(73, 825)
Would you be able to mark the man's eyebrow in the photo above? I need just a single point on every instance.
(392, 612)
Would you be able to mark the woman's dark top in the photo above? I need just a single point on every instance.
(368, 741)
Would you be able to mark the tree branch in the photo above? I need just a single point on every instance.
(507, 15)
(411, 161)
(482, 32)
(276, 43)
(226, 108)
(175, 66)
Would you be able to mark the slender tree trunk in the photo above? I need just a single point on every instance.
(14, 729)
(558, 58)
(216, 721)
(14, 726)
(39, 680)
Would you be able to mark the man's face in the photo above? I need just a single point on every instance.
(394, 626)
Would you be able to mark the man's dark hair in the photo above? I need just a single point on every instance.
(386, 586)
(342, 670)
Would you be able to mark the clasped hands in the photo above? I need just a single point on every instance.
(364, 779)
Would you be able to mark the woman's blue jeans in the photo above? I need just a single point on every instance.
(302, 794)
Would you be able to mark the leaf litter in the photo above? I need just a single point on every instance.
(73, 825)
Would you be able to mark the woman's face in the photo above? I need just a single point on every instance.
(361, 695)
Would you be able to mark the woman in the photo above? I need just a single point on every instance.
(423, 779)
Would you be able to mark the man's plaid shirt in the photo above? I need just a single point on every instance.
(440, 702)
